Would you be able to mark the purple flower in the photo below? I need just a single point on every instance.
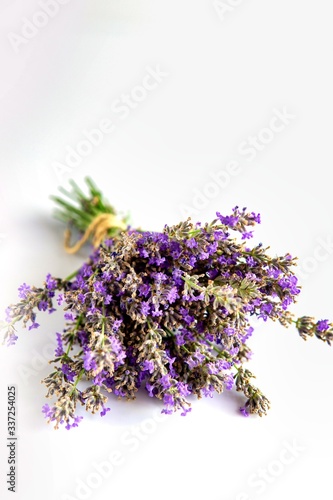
(177, 274)
(186, 316)
(169, 359)
(203, 255)
(256, 218)
(42, 305)
(160, 277)
(183, 389)
(229, 220)
(229, 382)
(250, 261)
(286, 302)
(165, 381)
(23, 291)
(8, 313)
(243, 411)
(116, 324)
(99, 378)
(247, 335)
(172, 295)
(168, 399)
(265, 310)
(322, 325)
(59, 350)
(144, 290)
(150, 389)
(191, 243)
(180, 340)
(148, 365)
(247, 235)
(86, 270)
(60, 299)
(107, 299)
(208, 391)
(290, 284)
(75, 423)
(48, 412)
(82, 337)
(175, 250)
(119, 392)
(212, 248)
(107, 276)
(69, 316)
(196, 359)
(104, 411)
(212, 368)
(156, 312)
(159, 260)
(143, 253)
(185, 411)
(117, 349)
(88, 361)
(34, 325)
(70, 374)
(212, 273)
(167, 411)
(99, 287)
(11, 340)
(233, 351)
(145, 308)
(51, 283)
(223, 364)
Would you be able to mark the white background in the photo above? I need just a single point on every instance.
(226, 74)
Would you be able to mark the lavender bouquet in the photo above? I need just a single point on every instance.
(170, 311)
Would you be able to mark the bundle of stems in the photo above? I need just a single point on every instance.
(168, 311)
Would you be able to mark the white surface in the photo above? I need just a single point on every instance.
(225, 79)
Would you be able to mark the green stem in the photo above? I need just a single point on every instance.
(103, 325)
(171, 334)
(194, 232)
(69, 347)
(192, 285)
(224, 354)
(71, 275)
(77, 324)
(77, 381)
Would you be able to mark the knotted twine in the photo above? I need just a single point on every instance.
(98, 227)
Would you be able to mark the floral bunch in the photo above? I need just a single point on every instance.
(168, 311)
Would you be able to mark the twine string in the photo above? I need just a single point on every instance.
(98, 227)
